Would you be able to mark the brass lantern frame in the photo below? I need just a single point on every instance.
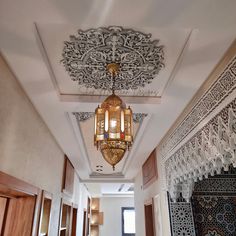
(113, 125)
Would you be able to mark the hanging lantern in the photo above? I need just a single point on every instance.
(113, 125)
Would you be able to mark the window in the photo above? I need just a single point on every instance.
(128, 221)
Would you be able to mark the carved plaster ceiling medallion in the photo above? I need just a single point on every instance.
(87, 54)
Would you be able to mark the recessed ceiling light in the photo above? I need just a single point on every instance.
(99, 166)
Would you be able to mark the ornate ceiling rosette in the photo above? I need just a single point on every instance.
(87, 54)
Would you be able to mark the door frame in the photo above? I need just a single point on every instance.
(9, 183)
(148, 203)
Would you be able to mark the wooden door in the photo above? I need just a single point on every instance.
(84, 223)
(149, 221)
(74, 222)
(21, 212)
(20, 215)
(3, 204)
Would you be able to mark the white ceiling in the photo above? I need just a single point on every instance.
(110, 189)
(196, 34)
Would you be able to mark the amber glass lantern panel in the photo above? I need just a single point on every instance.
(128, 125)
(114, 123)
(99, 124)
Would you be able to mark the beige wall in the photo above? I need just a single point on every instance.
(142, 196)
(28, 150)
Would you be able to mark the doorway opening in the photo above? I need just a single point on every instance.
(149, 219)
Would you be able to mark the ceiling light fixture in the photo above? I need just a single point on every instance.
(113, 125)
(129, 56)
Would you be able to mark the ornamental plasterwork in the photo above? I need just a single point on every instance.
(219, 185)
(83, 116)
(220, 89)
(86, 55)
(216, 186)
(210, 150)
(139, 117)
(206, 152)
(138, 92)
(182, 222)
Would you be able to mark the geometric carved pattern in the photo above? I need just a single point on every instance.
(220, 89)
(181, 219)
(214, 205)
(86, 55)
(83, 116)
(211, 148)
(212, 233)
(208, 151)
(139, 117)
(219, 186)
(215, 213)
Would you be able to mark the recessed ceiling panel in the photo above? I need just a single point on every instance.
(163, 45)
(83, 123)
(88, 54)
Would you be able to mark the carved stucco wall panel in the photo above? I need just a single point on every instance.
(202, 144)
(182, 222)
(205, 141)
(206, 153)
(223, 87)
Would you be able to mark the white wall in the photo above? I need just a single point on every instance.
(111, 206)
(80, 197)
(83, 199)
(142, 196)
(28, 150)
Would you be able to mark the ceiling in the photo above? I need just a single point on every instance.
(110, 189)
(195, 36)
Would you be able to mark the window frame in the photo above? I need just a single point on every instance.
(122, 220)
